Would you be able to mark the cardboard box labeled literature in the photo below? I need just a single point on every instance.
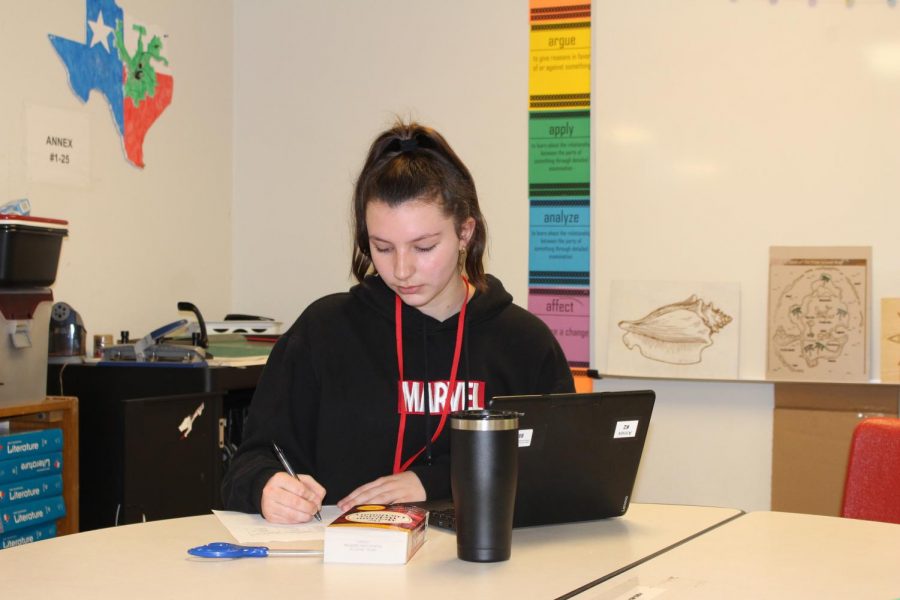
(376, 534)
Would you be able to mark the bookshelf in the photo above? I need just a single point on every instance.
(61, 412)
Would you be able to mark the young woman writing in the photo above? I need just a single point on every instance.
(357, 392)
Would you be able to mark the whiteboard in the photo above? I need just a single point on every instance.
(721, 128)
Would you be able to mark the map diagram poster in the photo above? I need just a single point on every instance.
(674, 329)
(125, 60)
(890, 340)
(818, 313)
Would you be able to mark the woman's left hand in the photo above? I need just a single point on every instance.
(390, 489)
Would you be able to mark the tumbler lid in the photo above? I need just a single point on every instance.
(484, 420)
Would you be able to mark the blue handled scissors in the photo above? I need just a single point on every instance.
(228, 550)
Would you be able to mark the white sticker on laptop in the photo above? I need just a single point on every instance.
(525, 437)
(624, 429)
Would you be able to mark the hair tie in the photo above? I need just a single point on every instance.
(409, 145)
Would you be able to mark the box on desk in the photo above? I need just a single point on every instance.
(376, 534)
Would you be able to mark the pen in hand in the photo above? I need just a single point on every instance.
(289, 469)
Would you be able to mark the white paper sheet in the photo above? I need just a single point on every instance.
(251, 529)
(237, 361)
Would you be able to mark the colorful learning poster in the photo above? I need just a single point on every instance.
(567, 312)
(559, 173)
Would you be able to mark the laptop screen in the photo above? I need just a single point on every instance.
(578, 453)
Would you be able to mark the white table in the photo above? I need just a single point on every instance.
(149, 560)
(770, 555)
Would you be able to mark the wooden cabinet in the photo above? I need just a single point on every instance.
(61, 412)
(812, 427)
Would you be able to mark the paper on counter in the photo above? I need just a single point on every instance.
(236, 361)
(251, 528)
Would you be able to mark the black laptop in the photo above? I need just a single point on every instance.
(578, 455)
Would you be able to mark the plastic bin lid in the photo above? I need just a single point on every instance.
(33, 221)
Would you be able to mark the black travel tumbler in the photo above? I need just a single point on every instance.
(484, 468)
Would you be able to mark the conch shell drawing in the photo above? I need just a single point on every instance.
(675, 333)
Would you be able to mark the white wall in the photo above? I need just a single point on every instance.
(315, 81)
(709, 443)
(139, 240)
(724, 128)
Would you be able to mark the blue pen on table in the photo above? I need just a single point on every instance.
(289, 469)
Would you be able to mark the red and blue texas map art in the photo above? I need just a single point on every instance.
(124, 62)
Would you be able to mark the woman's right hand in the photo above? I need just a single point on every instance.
(287, 499)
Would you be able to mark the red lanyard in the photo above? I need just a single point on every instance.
(398, 323)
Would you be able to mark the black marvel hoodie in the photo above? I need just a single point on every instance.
(330, 393)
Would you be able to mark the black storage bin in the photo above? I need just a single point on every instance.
(29, 250)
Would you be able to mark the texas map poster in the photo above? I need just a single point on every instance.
(125, 60)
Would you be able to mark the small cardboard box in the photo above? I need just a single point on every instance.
(376, 534)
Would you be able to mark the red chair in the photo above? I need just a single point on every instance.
(872, 486)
